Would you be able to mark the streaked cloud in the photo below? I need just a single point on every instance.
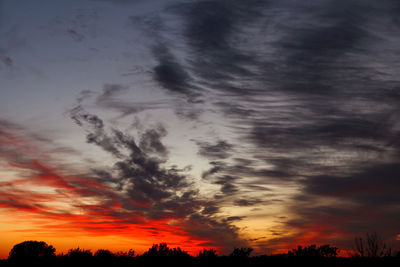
(289, 111)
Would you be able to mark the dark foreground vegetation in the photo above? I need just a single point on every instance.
(35, 253)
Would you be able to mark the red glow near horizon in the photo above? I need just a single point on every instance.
(47, 204)
(54, 205)
(97, 220)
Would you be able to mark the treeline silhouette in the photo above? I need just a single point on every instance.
(39, 253)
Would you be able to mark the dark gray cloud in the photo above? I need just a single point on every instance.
(98, 135)
(352, 204)
(76, 36)
(113, 97)
(315, 52)
(228, 188)
(172, 75)
(374, 185)
(216, 57)
(150, 181)
(110, 91)
(309, 96)
(310, 89)
(227, 183)
(6, 60)
(150, 141)
(235, 218)
(219, 150)
(216, 167)
(222, 232)
(311, 86)
(247, 202)
(210, 209)
(154, 191)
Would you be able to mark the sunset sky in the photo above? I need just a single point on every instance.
(199, 123)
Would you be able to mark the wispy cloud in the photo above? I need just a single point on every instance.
(297, 104)
(307, 91)
(138, 192)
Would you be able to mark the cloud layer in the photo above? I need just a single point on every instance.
(289, 108)
(312, 100)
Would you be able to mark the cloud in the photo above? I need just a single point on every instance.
(133, 197)
(373, 185)
(228, 188)
(150, 182)
(15, 138)
(150, 141)
(307, 103)
(76, 36)
(154, 191)
(348, 205)
(171, 75)
(20, 193)
(6, 60)
(219, 150)
(110, 91)
(215, 57)
(308, 93)
(247, 202)
(235, 218)
(113, 97)
(98, 136)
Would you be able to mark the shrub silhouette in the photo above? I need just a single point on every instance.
(123, 254)
(207, 253)
(325, 251)
(158, 250)
(162, 250)
(79, 254)
(241, 252)
(32, 250)
(104, 254)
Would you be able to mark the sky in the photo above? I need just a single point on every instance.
(200, 123)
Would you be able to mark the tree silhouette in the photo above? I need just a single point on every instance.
(162, 250)
(241, 252)
(79, 254)
(207, 253)
(32, 253)
(104, 254)
(32, 250)
(128, 254)
(313, 251)
(372, 246)
(328, 252)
